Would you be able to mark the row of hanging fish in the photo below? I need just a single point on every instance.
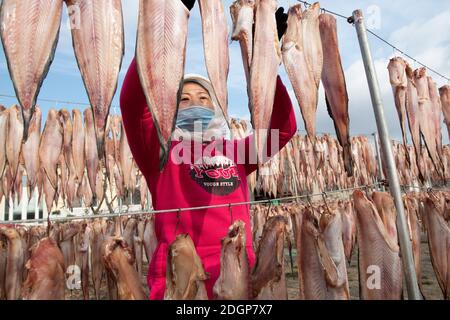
(306, 167)
(61, 161)
(421, 105)
(30, 33)
(326, 233)
(36, 265)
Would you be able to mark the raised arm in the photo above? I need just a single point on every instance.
(283, 119)
(138, 122)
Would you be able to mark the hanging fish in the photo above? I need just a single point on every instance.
(160, 58)
(215, 43)
(29, 31)
(98, 42)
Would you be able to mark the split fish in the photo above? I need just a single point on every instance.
(160, 59)
(312, 42)
(379, 252)
(91, 151)
(445, 101)
(50, 147)
(333, 80)
(30, 151)
(242, 15)
(233, 281)
(118, 259)
(14, 263)
(78, 138)
(399, 83)
(299, 70)
(29, 32)
(98, 42)
(215, 43)
(268, 277)
(14, 135)
(185, 276)
(46, 270)
(263, 72)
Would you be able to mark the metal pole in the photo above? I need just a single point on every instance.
(394, 185)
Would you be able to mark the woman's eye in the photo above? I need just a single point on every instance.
(184, 99)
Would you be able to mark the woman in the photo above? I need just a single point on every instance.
(209, 178)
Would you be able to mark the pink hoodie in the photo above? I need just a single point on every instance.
(223, 181)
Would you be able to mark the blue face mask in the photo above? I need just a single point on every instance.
(190, 116)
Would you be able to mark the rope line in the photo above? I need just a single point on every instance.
(179, 210)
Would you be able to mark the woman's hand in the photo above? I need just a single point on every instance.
(281, 22)
(189, 4)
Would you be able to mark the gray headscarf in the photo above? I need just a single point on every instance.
(218, 127)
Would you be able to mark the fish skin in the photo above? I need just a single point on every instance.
(215, 43)
(150, 240)
(312, 42)
(90, 149)
(412, 112)
(46, 280)
(14, 264)
(267, 277)
(100, 35)
(425, 114)
(119, 262)
(3, 134)
(437, 112)
(444, 92)
(67, 243)
(399, 83)
(233, 281)
(97, 243)
(139, 246)
(297, 222)
(126, 159)
(29, 32)
(242, 14)
(439, 242)
(30, 150)
(333, 79)
(14, 135)
(51, 146)
(377, 248)
(412, 211)
(67, 125)
(160, 59)
(82, 241)
(324, 270)
(299, 70)
(263, 72)
(348, 229)
(185, 276)
(78, 138)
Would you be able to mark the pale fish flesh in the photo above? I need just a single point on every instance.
(215, 43)
(29, 33)
(233, 280)
(299, 71)
(263, 72)
(333, 80)
(268, 276)
(185, 276)
(380, 265)
(98, 42)
(160, 58)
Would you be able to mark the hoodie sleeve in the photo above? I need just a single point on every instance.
(138, 123)
(283, 119)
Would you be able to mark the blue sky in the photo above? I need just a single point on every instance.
(420, 29)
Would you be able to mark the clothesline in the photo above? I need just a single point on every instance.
(180, 210)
